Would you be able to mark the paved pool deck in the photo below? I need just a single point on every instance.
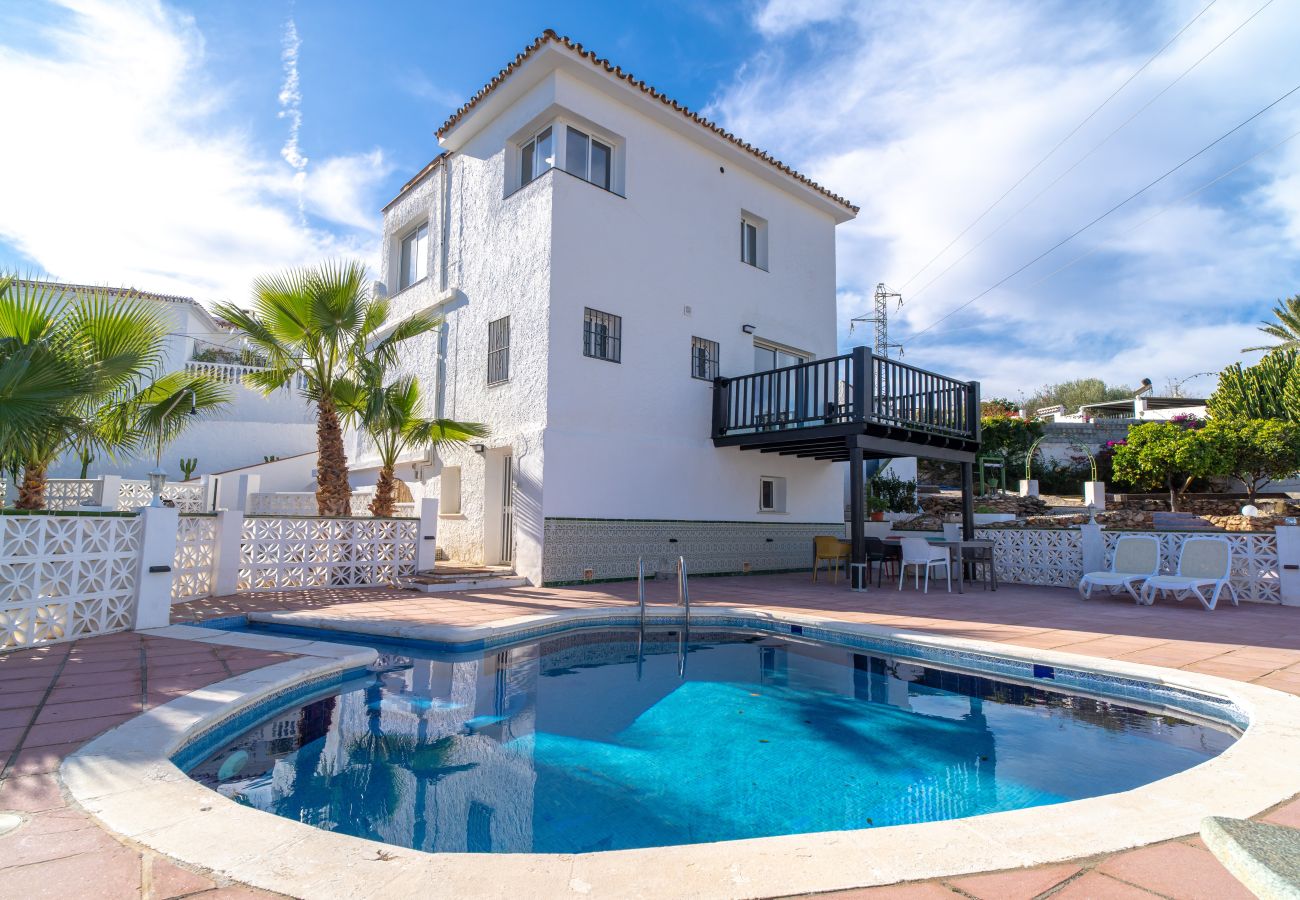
(53, 699)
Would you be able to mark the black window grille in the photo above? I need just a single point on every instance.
(498, 360)
(704, 359)
(602, 335)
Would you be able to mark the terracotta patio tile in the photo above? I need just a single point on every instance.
(28, 845)
(65, 732)
(921, 890)
(1018, 884)
(19, 680)
(1176, 870)
(163, 879)
(1282, 681)
(39, 760)
(20, 699)
(30, 793)
(1288, 815)
(65, 694)
(88, 709)
(1095, 886)
(110, 874)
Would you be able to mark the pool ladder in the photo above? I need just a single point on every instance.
(683, 599)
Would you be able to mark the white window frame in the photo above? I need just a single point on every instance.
(528, 153)
(754, 254)
(590, 139)
(778, 494)
(417, 238)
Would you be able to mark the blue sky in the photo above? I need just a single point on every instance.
(194, 145)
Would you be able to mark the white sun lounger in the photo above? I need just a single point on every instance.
(1205, 562)
(1136, 558)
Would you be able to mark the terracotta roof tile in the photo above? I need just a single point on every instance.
(550, 36)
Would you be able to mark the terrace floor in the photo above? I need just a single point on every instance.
(55, 698)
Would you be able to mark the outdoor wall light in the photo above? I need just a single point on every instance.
(749, 329)
(478, 448)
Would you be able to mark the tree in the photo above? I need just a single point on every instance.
(1009, 437)
(998, 406)
(75, 371)
(1270, 389)
(322, 325)
(167, 407)
(1073, 394)
(1165, 454)
(392, 416)
(1254, 451)
(1287, 327)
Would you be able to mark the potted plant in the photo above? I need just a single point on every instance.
(877, 507)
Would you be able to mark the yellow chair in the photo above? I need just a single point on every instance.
(832, 550)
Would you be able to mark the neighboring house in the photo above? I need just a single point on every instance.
(247, 430)
(600, 254)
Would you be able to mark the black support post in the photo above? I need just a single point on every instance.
(968, 501)
(859, 579)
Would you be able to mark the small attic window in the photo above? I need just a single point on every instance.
(537, 155)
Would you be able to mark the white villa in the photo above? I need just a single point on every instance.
(251, 427)
(600, 254)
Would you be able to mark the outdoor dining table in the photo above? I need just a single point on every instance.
(955, 546)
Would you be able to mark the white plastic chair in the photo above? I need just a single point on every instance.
(1137, 558)
(1203, 562)
(918, 553)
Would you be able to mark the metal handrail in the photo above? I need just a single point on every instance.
(640, 585)
(683, 589)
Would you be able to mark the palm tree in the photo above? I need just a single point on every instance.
(163, 410)
(71, 370)
(1287, 327)
(392, 417)
(321, 325)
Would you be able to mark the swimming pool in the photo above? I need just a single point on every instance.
(604, 739)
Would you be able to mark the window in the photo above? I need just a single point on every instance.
(602, 335)
(587, 158)
(415, 257)
(498, 358)
(704, 359)
(771, 494)
(769, 356)
(753, 241)
(449, 491)
(536, 156)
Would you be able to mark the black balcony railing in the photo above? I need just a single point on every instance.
(856, 388)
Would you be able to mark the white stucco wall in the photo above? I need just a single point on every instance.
(631, 440)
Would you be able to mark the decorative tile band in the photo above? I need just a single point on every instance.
(609, 548)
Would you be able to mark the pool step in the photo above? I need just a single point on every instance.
(464, 579)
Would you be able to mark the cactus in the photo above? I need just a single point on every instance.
(1270, 389)
(188, 464)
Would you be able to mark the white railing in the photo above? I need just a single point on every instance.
(66, 577)
(192, 566)
(285, 552)
(188, 497)
(73, 493)
(231, 373)
(1054, 557)
(282, 503)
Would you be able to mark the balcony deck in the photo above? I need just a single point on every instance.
(828, 408)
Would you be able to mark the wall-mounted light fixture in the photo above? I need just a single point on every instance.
(478, 448)
(748, 329)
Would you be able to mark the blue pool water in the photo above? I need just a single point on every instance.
(581, 742)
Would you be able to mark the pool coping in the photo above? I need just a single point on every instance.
(126, 779)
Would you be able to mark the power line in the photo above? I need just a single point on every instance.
(1059, 144)
(1078, 162)
(1117, 206)
(1168, 206)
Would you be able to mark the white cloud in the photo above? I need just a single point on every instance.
(925, 113)
(122, 173)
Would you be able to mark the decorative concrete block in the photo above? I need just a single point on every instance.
(1094, 495)
(1029, 487)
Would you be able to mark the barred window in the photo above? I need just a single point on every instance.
(602, 335)
(704, 359)
(498, 360)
